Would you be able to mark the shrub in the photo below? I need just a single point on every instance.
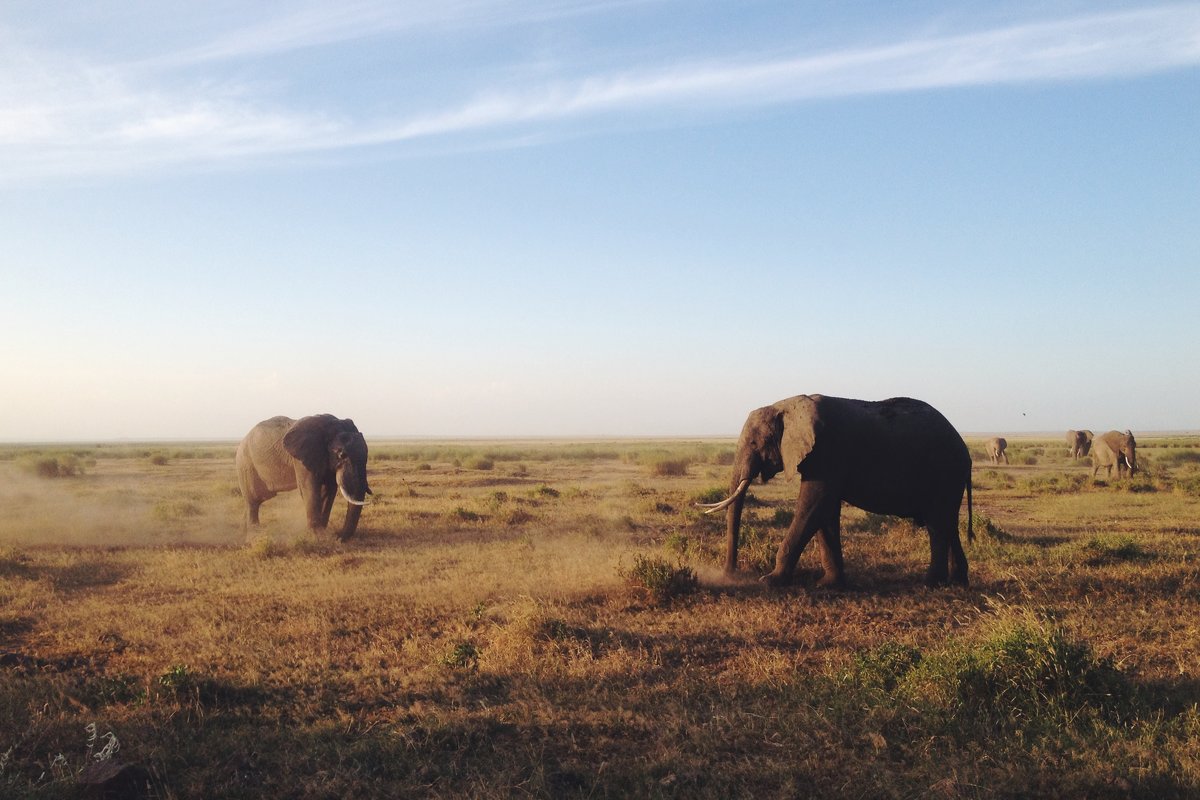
(782, 518)
(1110, 549)
(1025, 670)
(464, 655)
(668, 467)
(262, 547)
(465, 514)
(60, 466)
(159, 459)
(516, 516)
(677, 543)
(661, 579)
(177, 680)
(479, 462)
(1056, 484)
(712, 495)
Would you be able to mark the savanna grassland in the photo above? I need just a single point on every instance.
(548, 619)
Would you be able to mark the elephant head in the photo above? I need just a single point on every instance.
(1127, 452)
(334, 453)
(1079, 443)
(775, 438)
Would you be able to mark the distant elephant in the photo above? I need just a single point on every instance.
(995, 449)
(1114, 449)
(321, 455)
(898, 456)
(1079, 443)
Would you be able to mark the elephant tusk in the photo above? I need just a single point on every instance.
(728, 501)
(350, 500)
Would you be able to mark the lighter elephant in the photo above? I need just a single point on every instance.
(995, 449)
(321, 455)
(1114, 449)
(1079, 443)
(898, 456)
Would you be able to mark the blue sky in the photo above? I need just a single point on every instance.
(595, 217)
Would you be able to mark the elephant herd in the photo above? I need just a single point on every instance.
(899, 457)
(1112, 449)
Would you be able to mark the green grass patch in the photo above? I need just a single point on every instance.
(661, 579)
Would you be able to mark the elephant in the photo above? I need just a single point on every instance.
(897, 456)
(995, 449)
(1079, 443)
(1114, 449)
(321, 454)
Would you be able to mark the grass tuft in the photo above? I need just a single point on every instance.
(64, 465)
(669, 467)
(660, 578)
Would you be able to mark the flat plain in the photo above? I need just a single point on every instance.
(548, 619)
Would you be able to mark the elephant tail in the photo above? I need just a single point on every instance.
(970, 510)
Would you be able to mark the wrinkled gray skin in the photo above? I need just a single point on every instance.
(1079, 443)
(995, 449)
(1114, 449)
(321, 455)
(898, 456)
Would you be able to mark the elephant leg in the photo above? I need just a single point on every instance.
(830, 539)
(255, 492)
(250, 519)
(811, 515)
(327, 495)
(947, 561)
(310, 491)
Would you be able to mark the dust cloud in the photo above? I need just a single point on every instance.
(715, 578)
(113, 511)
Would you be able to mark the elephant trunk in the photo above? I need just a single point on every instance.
(733, 522)
(351, 524)
(352, 484)
(749, 469)
(750, 465)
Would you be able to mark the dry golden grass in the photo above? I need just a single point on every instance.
(486, 634)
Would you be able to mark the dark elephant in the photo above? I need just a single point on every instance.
(898, 456)
(1079, 443)
(995, 449)
(321, 454)
(1114, 449)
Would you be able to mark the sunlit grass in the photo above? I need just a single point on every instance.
(558, 625)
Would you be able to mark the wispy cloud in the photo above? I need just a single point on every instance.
(332, 23)
(1110, 46)
(61, 116)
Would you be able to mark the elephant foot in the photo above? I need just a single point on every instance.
(934, 581)
(776, 580)
(832, 580)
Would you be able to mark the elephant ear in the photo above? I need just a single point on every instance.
(308, 441)
(800, 424)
